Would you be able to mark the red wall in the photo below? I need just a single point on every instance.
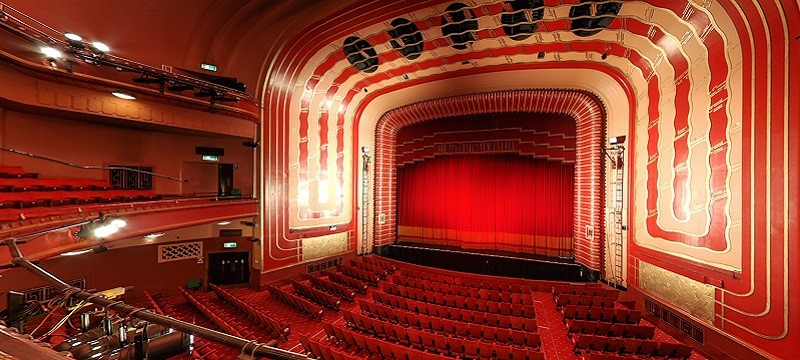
(136, 266)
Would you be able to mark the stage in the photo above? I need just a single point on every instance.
(498, 263)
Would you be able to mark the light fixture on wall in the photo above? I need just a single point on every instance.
(223, 223)
(123, 95)
(617, 140)
(152, 237)
(102, 227)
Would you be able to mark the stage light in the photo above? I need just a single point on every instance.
(617, 140)
(74, 40)
(101, 228)
(50, 53)
(105, 231)
(123, 95)
(100, 48)
(604, 56)
(365, 149)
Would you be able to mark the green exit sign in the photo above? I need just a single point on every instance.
(229, 245)
(210, 158)
(208, 67)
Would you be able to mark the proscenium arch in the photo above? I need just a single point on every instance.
(585, 108)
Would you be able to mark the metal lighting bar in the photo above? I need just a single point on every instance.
(248, 347)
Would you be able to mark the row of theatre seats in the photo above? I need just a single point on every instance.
(599, 330)
(219, 321)
(465, 291)
(425, 346)
(320, 297)
(272, 325)
(380, 263)
(23, 190)
(202, 349)
(606, 314)
(474, 282)
(453, 328)
(296, 301)
(593, 301)
(355, 284)
(411, 306)
(647, 348)
(373, 268)
(458, 301)
(609, 329)
(358, 273)
(342, 291)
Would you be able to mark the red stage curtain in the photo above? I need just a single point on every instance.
(490, 202)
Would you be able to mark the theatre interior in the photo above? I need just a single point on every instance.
(407, 180)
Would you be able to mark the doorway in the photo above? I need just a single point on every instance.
(225, 174)
(229, 268)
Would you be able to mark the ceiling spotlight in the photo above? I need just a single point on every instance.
(50, 53)
(541, 55)
(223, 223)
(119, 223)
(74, 40)
(100, 48)
(123, 95)
(604, 56)
(73, 37)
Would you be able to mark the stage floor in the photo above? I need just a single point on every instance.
(498, 263)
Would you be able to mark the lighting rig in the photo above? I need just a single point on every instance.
(65, 50)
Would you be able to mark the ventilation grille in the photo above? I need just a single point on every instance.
(45, 293)
(674, 320)
(324, 264)
(172, 252)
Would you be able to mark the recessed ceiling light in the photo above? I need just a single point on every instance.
(223, 223)
(123, 95)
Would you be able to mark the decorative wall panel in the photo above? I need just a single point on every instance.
(322, 246)
(695, 298)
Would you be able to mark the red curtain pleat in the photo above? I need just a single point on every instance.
(491, 202)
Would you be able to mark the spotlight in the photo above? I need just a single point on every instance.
(100, 48)
(223, 223)
(604, 56)
(123, 95)
(365, 149)
(541, 55)
(101, 228)
(74, 40)
(50, 53)
(616, 140)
